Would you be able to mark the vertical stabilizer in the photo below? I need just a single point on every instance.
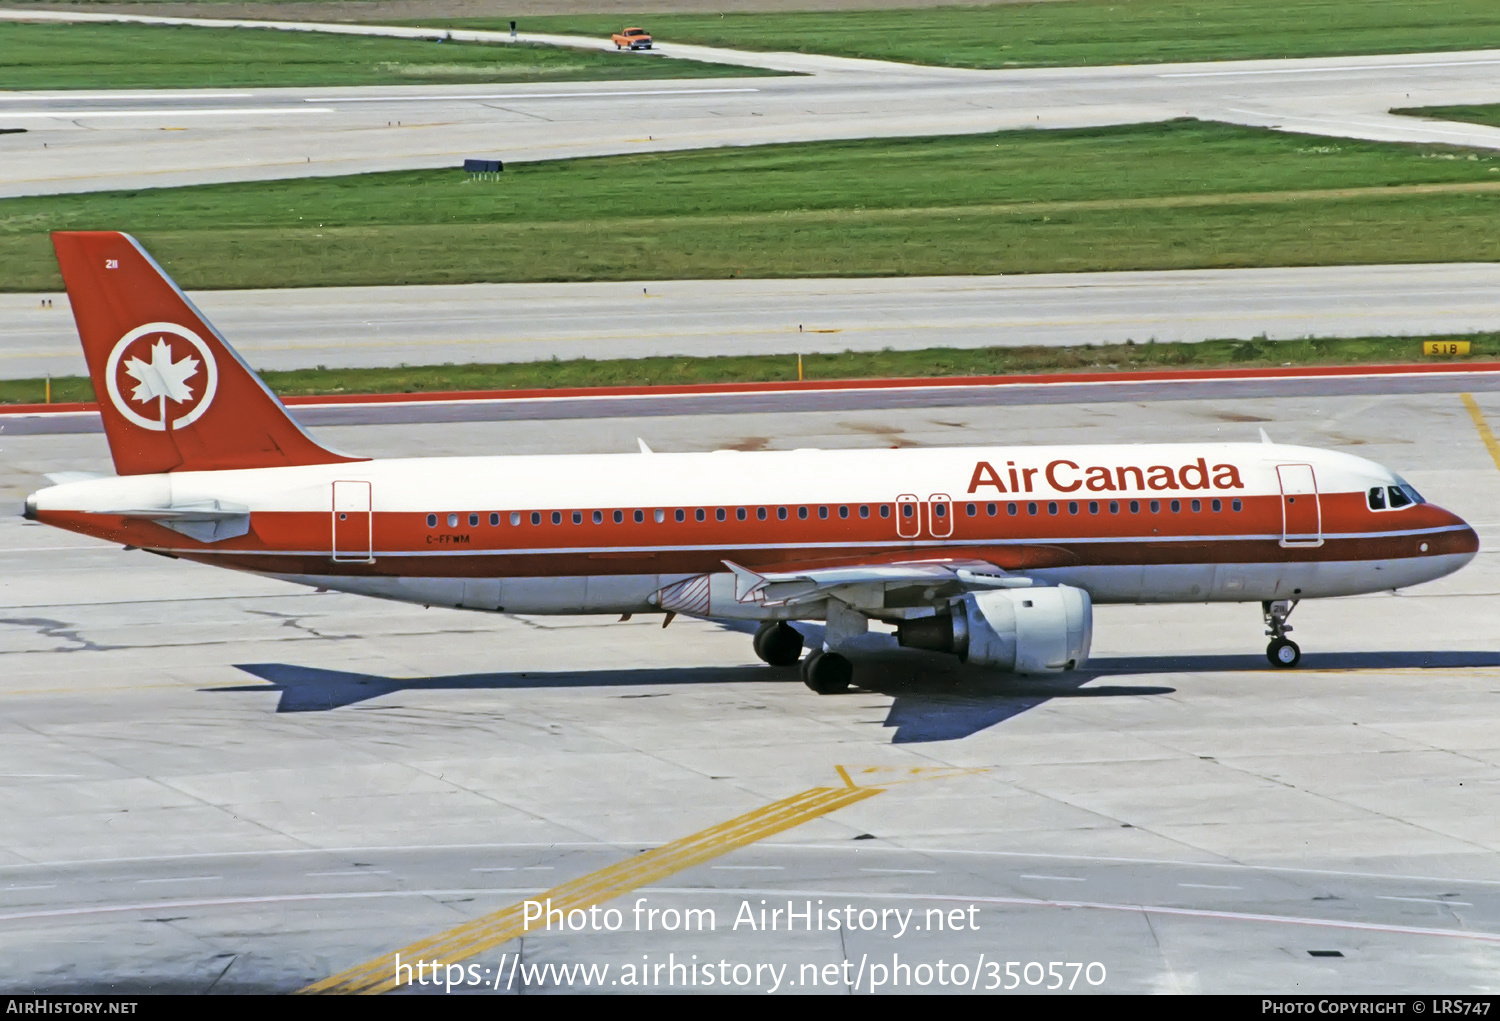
(173, 394)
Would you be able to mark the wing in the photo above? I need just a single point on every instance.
(890, 588)
(944, 578)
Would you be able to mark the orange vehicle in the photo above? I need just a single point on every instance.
(632, 39)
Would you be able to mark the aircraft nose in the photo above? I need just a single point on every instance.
(1462, 540)
(1468, 539)
(29, 511)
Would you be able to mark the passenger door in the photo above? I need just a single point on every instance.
(1301, 513)
(353, 523)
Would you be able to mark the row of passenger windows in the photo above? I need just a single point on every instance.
(1113, 507)
(908, 510)
(659, 515)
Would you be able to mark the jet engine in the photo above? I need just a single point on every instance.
(1028, 631)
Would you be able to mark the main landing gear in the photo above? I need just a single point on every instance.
(1282, 652)
(827, 673)
(778, 643)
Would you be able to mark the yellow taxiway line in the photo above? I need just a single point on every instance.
(464, 941)
(1485, 433)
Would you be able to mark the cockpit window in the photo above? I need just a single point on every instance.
(1392, 497)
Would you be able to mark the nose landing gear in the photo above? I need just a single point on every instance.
(1282, 652)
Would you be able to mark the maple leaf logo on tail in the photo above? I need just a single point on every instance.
(162, 377)
(166, 367)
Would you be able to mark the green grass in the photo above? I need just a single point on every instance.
(1486, 113)
(585, 372)
(1077, 32)
(164, 56)
(1160, 196)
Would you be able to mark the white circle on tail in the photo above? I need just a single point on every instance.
(163, 374)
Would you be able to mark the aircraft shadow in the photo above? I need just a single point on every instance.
(933, 698)
(930, 701)
(313, 689)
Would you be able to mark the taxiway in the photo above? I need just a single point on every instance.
(218, 782)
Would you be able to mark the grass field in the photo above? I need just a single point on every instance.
(165, 56)
(1078, 32)
(1488, 113)
(584, 372)
(1180, 194)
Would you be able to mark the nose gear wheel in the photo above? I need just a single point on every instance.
(1282, 651)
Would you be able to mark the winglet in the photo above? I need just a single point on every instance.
(746, 582)
(644, 449)
(1265, 437)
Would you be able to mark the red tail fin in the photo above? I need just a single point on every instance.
(173, 394)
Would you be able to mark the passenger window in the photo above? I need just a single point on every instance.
(515, 518)
(1031, 508)
(557, 517)
(720, 514)
(536, 517)
(885, 510)
(906, 510)
(432, 521)
(598, 517)
(1072, 507)
(619, 517)
(940, 509)
(1012, 509)
(473, 520)
(578, 517)
(1093, 507)
(1114, 506)
(1051, 508)
(739, 514)
(680, 514)
(843, 512)
(1135, 506)
(760, 513)
(1197, 506)
(640, 516)
(973, 510)
(660, 515)
(864, 511)
(1235, 505)
(1155, 506)
(699, 514)
(990, 509)
(1176, 506)
(823, 512)
(1217, 505)
(802, 513)
(1398, 497)
(780, 513)
(452, 520)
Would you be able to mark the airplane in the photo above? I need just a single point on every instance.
(994, 554)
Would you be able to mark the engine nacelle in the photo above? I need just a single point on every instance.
(1029, 631)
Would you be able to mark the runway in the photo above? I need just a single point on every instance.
(88, 141)
(215, 782)
(387, 326)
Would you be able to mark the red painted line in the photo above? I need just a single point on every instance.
(818, 386)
